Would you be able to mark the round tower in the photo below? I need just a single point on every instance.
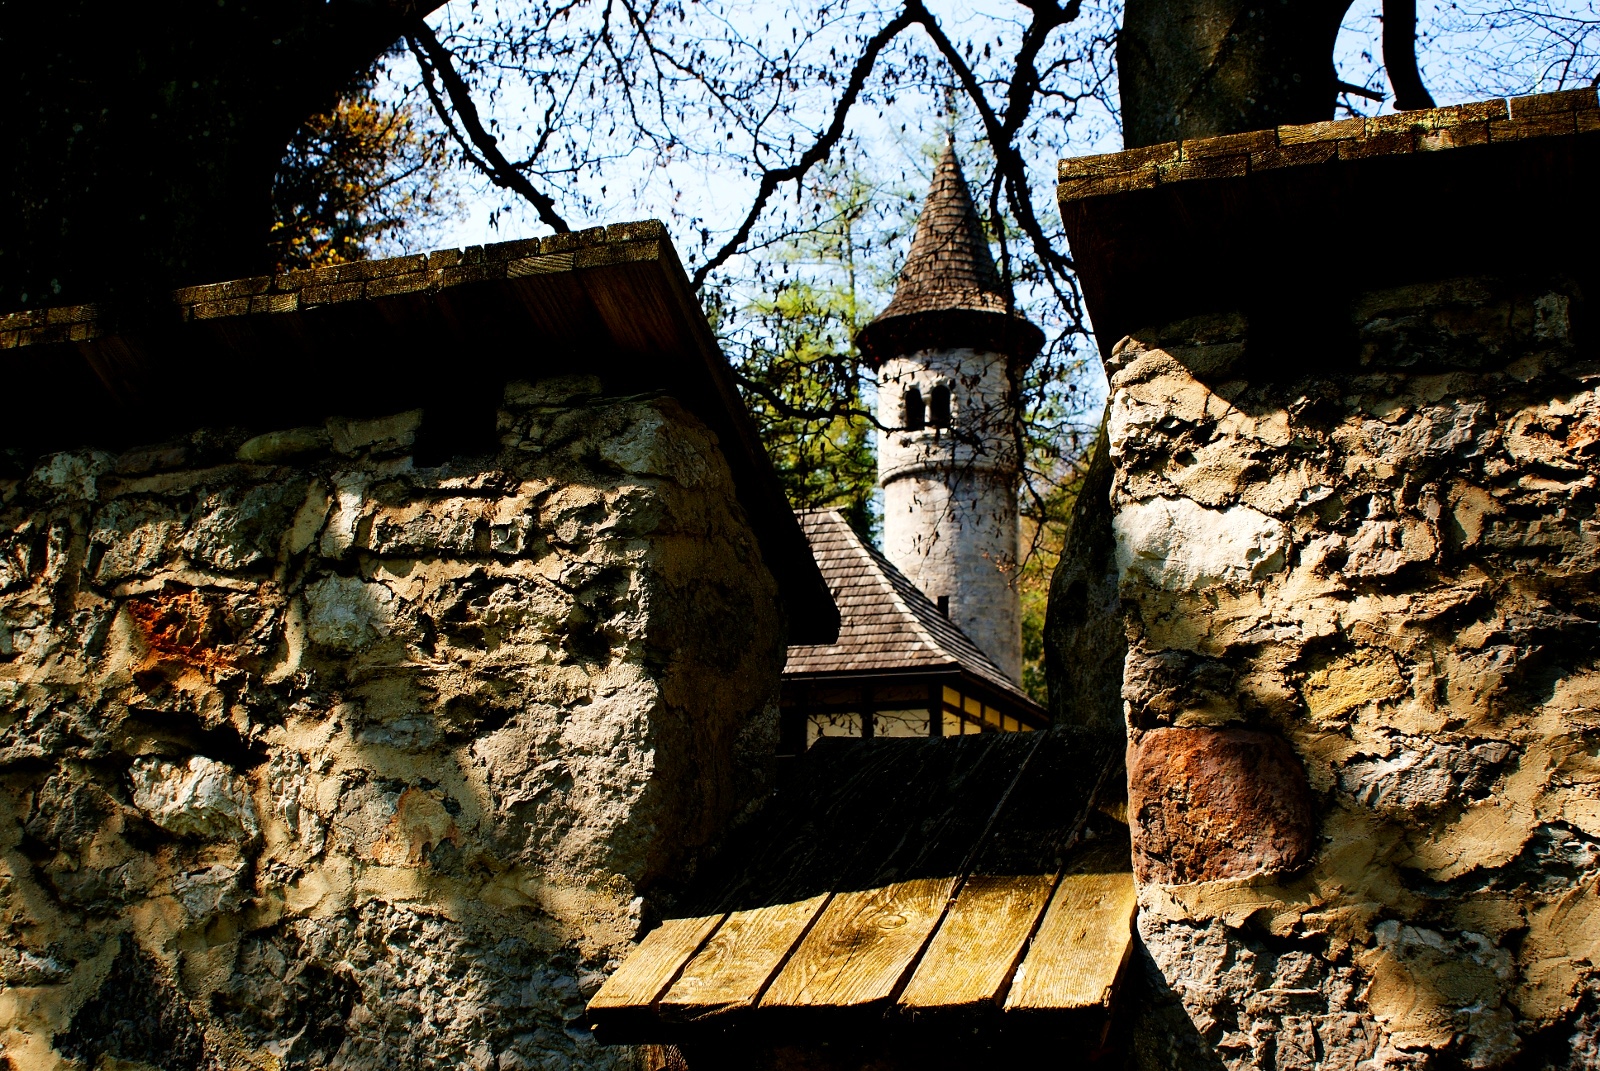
(947, 350)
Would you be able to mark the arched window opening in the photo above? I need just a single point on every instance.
(939, 407)
(915, 417)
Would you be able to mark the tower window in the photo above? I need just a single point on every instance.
(939, 407)
(915, 418)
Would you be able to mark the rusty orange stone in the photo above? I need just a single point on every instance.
(1207, 804)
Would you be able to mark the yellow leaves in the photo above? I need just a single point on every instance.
(352, 178)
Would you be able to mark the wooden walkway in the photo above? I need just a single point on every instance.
(899, 876)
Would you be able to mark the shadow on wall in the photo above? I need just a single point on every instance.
(313, 754)
(1384, 566)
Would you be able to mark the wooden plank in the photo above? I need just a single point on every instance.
(930, 819)
(645, 974)
(979, 943)
(862, 946)
(1045, 811)
(798, 849)
(733, 968)
(1086, 934)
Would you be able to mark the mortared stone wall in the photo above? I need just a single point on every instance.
(1362, 595)
(311, 757)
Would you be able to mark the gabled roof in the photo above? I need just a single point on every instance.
(442, 331)
(886, 622)
(905, 878)
(950, 293)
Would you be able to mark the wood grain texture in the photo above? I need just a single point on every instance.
(862, 946)
(1039, 824)
(979, 942)
(1079, 950)
(731, 969)
(646, 974)
(837, 895)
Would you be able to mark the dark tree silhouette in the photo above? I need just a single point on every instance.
(142, 140)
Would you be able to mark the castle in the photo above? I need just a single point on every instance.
(930, 640)
(949, 351)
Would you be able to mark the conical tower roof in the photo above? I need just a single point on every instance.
(950, 293)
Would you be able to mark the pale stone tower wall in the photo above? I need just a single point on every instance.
(950, 494)
(950, 485)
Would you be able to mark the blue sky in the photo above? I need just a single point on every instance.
(1468, 49)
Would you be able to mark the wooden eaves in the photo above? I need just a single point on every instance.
(442, 331)
(890, 629)
(1284, 223)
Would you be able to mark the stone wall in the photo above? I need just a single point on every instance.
(1358, 565)
(314, 758)
(950, 494)
(1084, 642)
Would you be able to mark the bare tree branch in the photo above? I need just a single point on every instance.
(1001, 132)
(434, 57)
(819, 149)
(1400, 55)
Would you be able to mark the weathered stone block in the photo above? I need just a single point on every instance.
(1209, 804)
(198, 798)
(1176, 545)
(397, 432)
(277, 446)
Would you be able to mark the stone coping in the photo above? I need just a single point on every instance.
(304, 289)
(1544, 115)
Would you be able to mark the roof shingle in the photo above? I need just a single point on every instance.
(949, 293)
(886, 622)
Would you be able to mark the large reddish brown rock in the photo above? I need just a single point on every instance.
(1206, 804)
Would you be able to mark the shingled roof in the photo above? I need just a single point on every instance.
(950, 293)
(886, 622)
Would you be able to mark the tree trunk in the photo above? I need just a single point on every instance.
(1400, 55)
(141, 139)
(1196, 68)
